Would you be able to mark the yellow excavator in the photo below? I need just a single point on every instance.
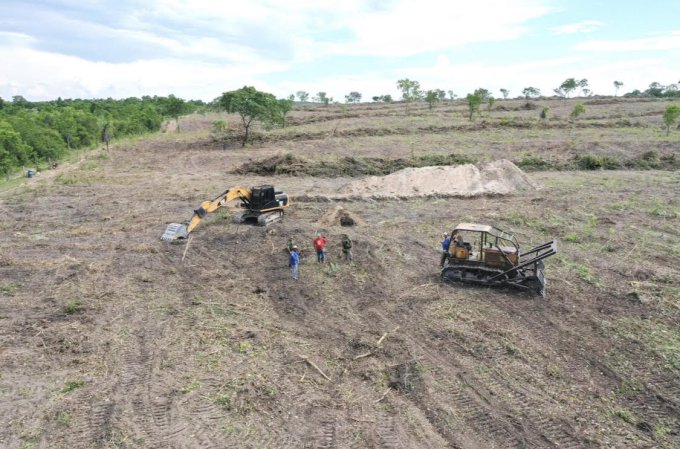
(263, 205)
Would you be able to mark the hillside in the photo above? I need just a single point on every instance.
(110, 338)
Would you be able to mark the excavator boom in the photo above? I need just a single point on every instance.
(261, 201)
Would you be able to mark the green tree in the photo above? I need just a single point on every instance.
(655, 90)
(285, 106)
(251, 105)
(474, 101)
(531, 92)
(431, 97)
(302, 96)
(617, 86)
(567, 87)
(410, 90)
(670, 115)
(176, 107)
(483, 94)
(383, 98)
(13, 151)
(353, 97)
(452, 96)
(322, 97)
(505, 93)
(582, 85)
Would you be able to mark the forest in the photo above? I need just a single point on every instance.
(41, 133)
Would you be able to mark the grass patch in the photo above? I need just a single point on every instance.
(73, 306)
(76, 179)
(582, 272)
(663, 210)
(71, 385)
(625, 415)
(8, 289)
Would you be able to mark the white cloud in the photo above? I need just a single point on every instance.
(585, 26)
(42, 75)
(670, 41)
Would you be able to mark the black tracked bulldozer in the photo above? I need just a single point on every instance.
(485, 255)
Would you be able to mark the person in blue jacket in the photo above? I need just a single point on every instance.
(446, 244)
(293, 262)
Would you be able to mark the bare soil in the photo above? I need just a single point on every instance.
(110, 338)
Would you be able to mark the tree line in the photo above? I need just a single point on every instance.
(39, 133)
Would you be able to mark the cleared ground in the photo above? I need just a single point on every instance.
(110, 338)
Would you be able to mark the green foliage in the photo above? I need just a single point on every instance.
(71, 385)
(670, 115)
(567, 87)
(43, 132)
(252, 106)
(353, 97)
(387, 98)
(322, 97)
(410, 90)
(531, 92)
(532, 162)
(505, 93)
(302, 95)
(285, 106)
(544, 112)
(659, 90)
(625, 415)
(578, 110)
(594, 162)
(432, 97)
(73, 306)
(474, 101)
(13, 150)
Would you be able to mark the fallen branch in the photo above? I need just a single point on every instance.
(361, 356)
(385, 335)
(313, 365)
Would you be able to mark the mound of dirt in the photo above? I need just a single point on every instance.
(498, 177)
(340, 216)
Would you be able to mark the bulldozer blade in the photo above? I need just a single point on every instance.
(175, 231)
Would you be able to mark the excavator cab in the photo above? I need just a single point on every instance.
(266, 197)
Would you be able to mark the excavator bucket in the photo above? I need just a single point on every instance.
(175, 231)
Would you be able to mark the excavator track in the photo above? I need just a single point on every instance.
(479, 275)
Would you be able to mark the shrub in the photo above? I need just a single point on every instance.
(532, 162)
(594, 162)
(578, 110)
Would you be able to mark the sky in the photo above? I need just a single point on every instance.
(198, 49)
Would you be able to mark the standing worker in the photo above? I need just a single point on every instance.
(293, 262)
(347, 247)
(446, 244)
(320, 247)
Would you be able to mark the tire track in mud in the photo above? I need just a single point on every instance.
(481, 395)
(93, 423)
(655, 404)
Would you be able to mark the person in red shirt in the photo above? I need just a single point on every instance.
(320, 247)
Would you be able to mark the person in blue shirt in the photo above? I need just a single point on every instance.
(293, 262)
(446, 244)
